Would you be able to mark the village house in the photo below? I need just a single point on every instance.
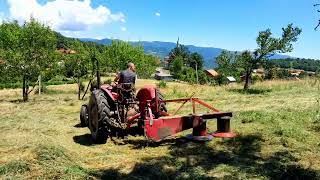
(212, 73)
(231, 80)
(163, 75)
(258, 72)
(296, 72)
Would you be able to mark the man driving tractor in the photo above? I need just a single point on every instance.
(128, 75)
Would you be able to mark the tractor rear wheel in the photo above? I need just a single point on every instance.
(84, 116)
(99, 112)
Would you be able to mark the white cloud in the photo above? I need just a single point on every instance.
(99, 37)
(64, 15)
(157, 14)
(123, 29)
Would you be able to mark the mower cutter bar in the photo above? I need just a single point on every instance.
(158, 129)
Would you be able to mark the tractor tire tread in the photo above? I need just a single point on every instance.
(103, 116)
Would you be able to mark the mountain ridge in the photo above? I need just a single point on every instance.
(162, 49)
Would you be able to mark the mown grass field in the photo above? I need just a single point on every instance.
(278, 124)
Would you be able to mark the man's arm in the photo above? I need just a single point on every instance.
(117, 77)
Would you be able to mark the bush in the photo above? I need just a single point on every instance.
(10, 85)
(221, 80)
(203, 78)
(162, 84)
(256, 78)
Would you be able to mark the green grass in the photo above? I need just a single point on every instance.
(277, 123)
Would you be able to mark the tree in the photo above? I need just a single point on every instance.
(186, 66)
(9, 43)
(270, 69)
(120, 53)
(196, 61)
(268, 46)
(179, 51)
(177, 66)
(226, 63)
(28, 50)
(246, 62)
(77, 63)
(227, 66)
(304, 64)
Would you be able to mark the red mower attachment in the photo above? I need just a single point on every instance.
(112, 111)
(157, 129)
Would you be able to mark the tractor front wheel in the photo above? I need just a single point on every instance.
(84, 116)
(99, 112)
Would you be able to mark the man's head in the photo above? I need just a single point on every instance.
(131, 66)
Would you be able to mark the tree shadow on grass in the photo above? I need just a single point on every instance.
(30, 101)
(15, 101)
(251, 91)
(143, 143)
(188, 160)
(86, 139)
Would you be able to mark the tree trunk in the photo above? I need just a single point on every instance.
(85, 92)
(39, 79)
(25, 89)
(248, 77)
(79, 88)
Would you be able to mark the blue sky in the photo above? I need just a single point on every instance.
(228, 24)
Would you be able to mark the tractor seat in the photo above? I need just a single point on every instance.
(126, 93)
(126, 87)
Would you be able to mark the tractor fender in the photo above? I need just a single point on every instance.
(148, 92)
(107, 89)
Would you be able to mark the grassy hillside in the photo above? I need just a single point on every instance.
(277, 122)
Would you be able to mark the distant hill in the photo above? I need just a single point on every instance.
(162, 49)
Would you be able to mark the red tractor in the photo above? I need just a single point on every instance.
(112, 110)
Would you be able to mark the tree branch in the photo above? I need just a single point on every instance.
(87, 88)
(270, 55)
(33, 87)
(316, 28)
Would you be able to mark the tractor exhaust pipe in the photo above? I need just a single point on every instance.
(98, 72)
(94, 59)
